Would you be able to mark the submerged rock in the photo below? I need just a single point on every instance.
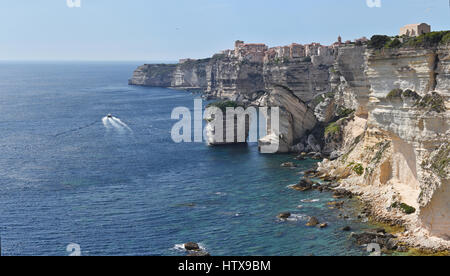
(288, 165)
(347, 229)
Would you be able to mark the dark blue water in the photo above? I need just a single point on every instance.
(66, 178)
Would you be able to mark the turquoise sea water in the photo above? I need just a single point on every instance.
(65, 177)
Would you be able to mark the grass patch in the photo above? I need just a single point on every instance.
(332, 129)
(404, 207)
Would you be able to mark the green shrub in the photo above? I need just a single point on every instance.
(446, 38)
(441, 161)
(404, 207)
(359, 169)
(343, 112)
(432, 102)
(396, 93)
(396, 43)
(378, 41)
(307, 59)
(432, 39)
(408, 93)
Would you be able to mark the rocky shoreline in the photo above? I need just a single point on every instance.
(379, 118)
(390, 233)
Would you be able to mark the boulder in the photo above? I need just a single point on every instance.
(313, 221)
(323, 225)
(336, 204)
(191, 246)
(303, 185)
(285, 215)
(366, 237)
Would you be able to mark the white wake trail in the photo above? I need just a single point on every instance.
(106, 123)
(118, 121)
(115, 123)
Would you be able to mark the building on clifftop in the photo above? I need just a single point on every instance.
(415, 29)
(252, 52)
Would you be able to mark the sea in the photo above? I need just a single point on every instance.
(74, 181)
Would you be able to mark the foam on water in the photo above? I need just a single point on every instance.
(180, 247)
(310, 200)
(115, 123)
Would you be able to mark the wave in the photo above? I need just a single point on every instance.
(310, 200)
(295, 218)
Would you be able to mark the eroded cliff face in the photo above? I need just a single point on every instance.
(157, 75)
(233, 79)
(295, 119)
(384, 116)
(304, 78)
(230, 77)
(395, 149)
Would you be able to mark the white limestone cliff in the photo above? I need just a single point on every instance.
(396, 149)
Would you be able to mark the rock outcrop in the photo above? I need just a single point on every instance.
(295, 119)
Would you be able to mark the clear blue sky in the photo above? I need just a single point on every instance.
(146, 30)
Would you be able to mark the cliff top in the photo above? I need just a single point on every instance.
(428, 40)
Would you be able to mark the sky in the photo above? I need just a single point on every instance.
(167, 30)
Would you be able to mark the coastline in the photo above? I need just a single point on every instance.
(378, 117)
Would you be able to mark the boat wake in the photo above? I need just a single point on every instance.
(76, 129)
(111, 122)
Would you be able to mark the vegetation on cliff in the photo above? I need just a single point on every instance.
(405, 208)
(358, 169)
(432, 39)
(432, 102)
(441, 161)
(332, 129)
